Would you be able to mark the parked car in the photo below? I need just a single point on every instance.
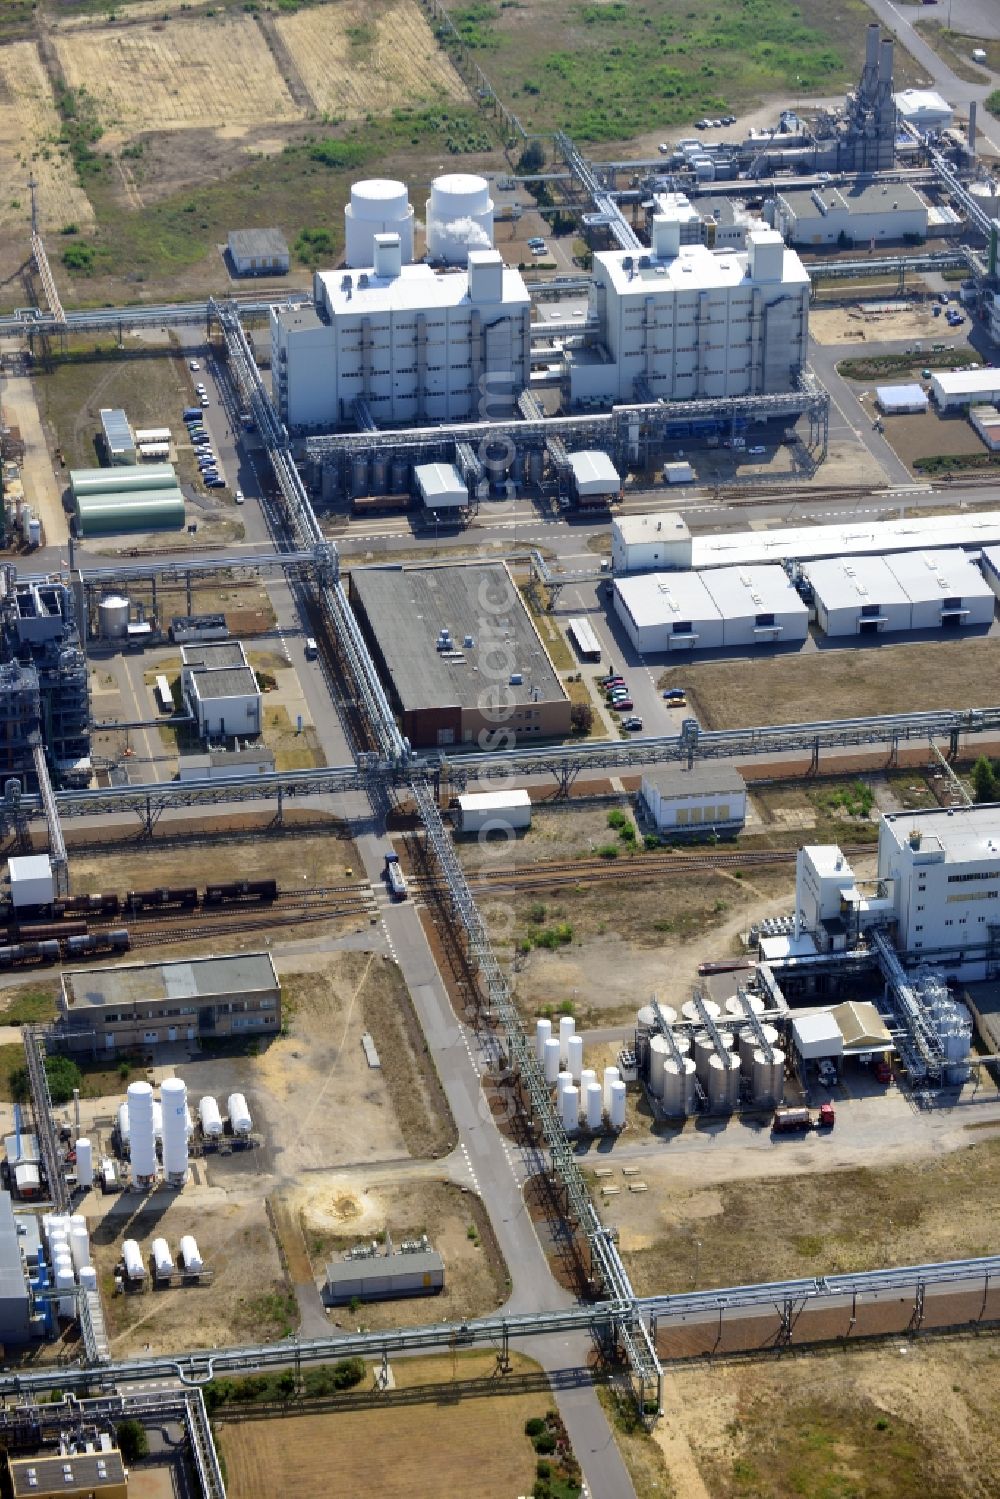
(238, 497)
(205, 402)
(215, 482)
(623, 705)
(673, 694)
(193, 364)
(635, 724)
(663, 149)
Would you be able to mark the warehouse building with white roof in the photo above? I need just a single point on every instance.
(731, 608)
(930, 590)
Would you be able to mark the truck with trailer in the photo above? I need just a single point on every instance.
(793, 1121)
(394, 878)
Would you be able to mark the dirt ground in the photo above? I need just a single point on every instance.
(839, 683)
(852, 324)
(398, 1449)
(567, 833)
(346, 1214)
(192, 71)
(359, 59)
(832, 1424)
(928, 434)
(29, 125)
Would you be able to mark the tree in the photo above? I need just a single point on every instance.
(984, 781)
(532, 158)
(581, 716)
(133, 1443)
(63, 1075)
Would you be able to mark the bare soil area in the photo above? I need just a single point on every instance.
(839, 683)
(447, 1444)
(358, 59)
(846, 1423)
(854, 324)
(29, 127)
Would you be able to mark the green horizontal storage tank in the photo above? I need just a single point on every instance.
(87, 481)
(109, 515)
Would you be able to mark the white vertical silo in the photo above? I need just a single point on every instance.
(616, 1113)
(569, 1108)
(65, 1281)
(574, 1056)
(659, 1051)
(768, 1078)
(173, 1093)
(564, 1080)
(543, 1030)
(611, 1075)
(79, 1241)
(85, 1164)
(567, 1025)
(459, 217)
(587, 1076)
(594, 1105)
(142, 1140)
(157, 1119)
(378, 206)
(550, 1060)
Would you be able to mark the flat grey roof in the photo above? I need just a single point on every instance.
(73, 1473)
(212, 654)
(869, 197)
(703, 776)
(195, 978)
(257, 242)
(229, 681)
(407, 609)
(349, 1272)
(117, 432)
(12, 1282)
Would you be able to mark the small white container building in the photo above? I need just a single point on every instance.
(758, 605)
(645, 543)
(595, 478)
(924, 109)
(31, 881)
(857, 596)
(441, 486)
(896, 400)
(953, 389)
(494, 812)
(706, 797)
(664, 613)
(946, 590)
(986, 422)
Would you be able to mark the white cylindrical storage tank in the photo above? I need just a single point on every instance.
(768, 1078)
(550, 1061)
(574, 1056)
(379, 206)
(659, 1052)
(564, 1080)
(85, 1164)
(157, 1119)
(142, 1140)
(748, 1044)
(736, 1007)
(112, 617)
(65, 1281)
(459, 217)
(543, 1031)
(239, 1114)
(587, 1076)
(723, 1083)
(567, 1026)
(88, 1277)
(134, 1267)
(190, 1255)
(188, 1121)
(79, 1243)
(611, 1075)
(682, 1042)
(616, 1113)
(594, 1105)
(690, 1010)
(124, 1132)
(163, 1260)
(173, 1092)
(211, 1119)
(569, 1108)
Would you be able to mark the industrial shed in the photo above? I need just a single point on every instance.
(953, 389)
(897, 400)
(986, 421)
(861, 212)
(258, 252)
(857, 596)
(119, 444)
(493, 812)
(667, 612)
(924, 109)
(129, 501)
(946, 590)
(441, 486)
(384, 1277)
(644, 543)
(817, 1036)
(595, 478)
(758, 605)
(702, 798)
(859, 538)
(460, 658)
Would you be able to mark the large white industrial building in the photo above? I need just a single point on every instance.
(682, 323)
(727, 608)
(873, 595)
(953, 389)
(861, 212)
(414, 344)
(646, 543)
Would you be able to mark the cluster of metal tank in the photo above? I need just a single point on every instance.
(582, 1100)
(163, 1261)
(950, 1020)
(690, 1061)
(67, 1243)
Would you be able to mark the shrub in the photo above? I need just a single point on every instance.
(132, 1440)
(607, 851)
(617, 819)
(534, 1428)
(544, 1443)
(581, 717)
(79, 257)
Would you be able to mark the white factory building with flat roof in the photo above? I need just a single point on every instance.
(874, 595)
(414, 344)
(728, 608)
(860, 212)
(682, 323)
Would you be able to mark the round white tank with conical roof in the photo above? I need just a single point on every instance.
(190, 1254)
(659, 1051)
(211, 1119)
(239, 1114)
(550, 1061)
(543, 1030)
(163, 1260)
(569, 1107)
(112, 617)
(459, 217)
(768, 1078)
(594, 1105)
(748, 1044)
(567, 1025)
(173, 1093)
(689, 1010)
(723, 1083)
(678, 1087)
(574, 1056)
(736, 1007)
(380, 205)
(134, 1267)
(85, 1164)
(142, 1138)
(616, 1113)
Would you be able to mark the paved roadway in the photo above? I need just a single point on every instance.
(982, 15)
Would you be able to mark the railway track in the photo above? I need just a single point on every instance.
(179, 929)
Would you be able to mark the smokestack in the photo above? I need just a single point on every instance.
(885, 64)
(972, 128)
(871, 46)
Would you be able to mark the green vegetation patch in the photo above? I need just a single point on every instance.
(955, 463)
(877, 366)
(855, 799)
(259, 1389)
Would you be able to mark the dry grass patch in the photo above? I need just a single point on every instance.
(835, 683)
(29, 126)
(197, 72)
(293, 750)
(418, 1098)
(358, 59)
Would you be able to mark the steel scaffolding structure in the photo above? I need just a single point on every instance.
(921, 1046)
(41, 1101)
(57, 843)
